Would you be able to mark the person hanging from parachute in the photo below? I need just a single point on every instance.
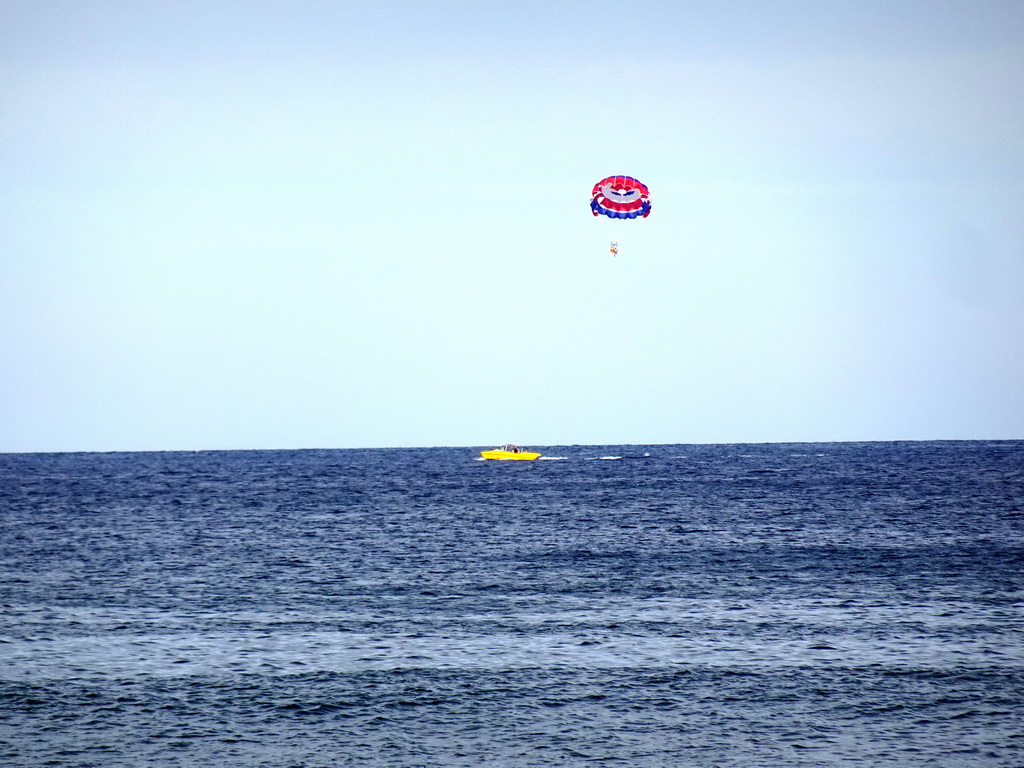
(620, 197)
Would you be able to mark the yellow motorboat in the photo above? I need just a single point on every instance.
(510, 451)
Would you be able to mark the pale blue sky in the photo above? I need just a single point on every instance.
(331, 224)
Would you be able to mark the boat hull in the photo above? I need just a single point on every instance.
(499, 455)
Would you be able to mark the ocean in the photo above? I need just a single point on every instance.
(827, 604)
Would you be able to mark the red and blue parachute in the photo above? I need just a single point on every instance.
(620, 197)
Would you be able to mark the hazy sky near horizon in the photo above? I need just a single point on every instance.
(325, 224)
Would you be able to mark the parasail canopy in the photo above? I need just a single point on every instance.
(620, 197)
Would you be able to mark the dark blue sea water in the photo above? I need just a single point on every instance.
(727, 605)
